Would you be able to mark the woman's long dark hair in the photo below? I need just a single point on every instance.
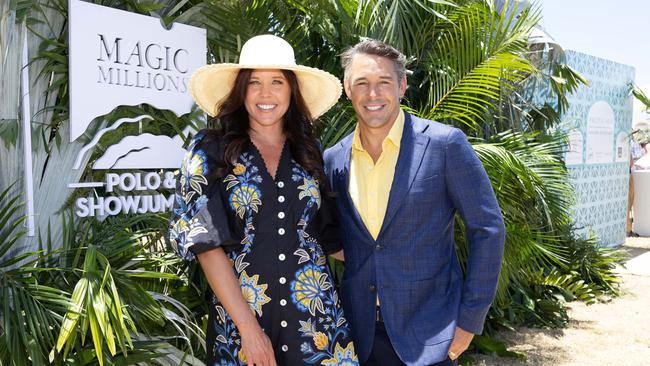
(230, 128)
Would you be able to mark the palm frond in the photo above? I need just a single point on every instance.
(474, 60)
(641, 97)
(29, 308)
(404, 24)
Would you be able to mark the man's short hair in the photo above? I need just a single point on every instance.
(378, 48)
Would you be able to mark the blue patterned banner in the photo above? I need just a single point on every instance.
(598, 123)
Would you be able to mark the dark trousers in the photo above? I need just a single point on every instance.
(383, 353)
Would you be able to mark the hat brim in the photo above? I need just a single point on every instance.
(211, 84)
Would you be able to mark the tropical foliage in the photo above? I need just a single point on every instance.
(641, 136)
(110, 292)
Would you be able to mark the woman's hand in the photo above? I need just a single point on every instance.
(256, 346)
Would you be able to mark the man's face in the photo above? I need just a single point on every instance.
(373, 87)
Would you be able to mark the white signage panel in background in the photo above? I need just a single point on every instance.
(118, 58)
(600, 133)
(122, 58)
(576, 146)
(622, 147)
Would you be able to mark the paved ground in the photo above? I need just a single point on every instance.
(613, 333)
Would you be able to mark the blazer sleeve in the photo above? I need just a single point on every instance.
(199, 220)
(471, 192)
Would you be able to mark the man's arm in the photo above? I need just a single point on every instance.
(471, 192)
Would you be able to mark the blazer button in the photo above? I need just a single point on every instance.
(379, 247)
(371, 288)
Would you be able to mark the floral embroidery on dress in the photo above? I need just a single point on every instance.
(322, 346)
(254, 294)
(192, 174)
(227, 343)
(312, 290)
(189, 202)
(244, 195)
(309, 248)
(308, 289)
(245, 198)
(183, 231)
(342, 356)
(309, 187)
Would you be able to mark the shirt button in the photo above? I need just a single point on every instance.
(281, 199)
(281, 257)
(281, 184)
(283, 324)
(281, 215)
(282, 280)
(283, 302)
(281, 231)
(285, 348)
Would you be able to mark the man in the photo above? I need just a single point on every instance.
(400, 181)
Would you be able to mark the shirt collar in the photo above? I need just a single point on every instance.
(394, 135)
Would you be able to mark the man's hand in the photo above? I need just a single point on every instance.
(462, 339)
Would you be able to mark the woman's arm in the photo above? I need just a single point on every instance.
(256, 344)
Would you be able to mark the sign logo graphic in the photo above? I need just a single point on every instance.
(120, 58)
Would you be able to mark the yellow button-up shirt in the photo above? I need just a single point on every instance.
(370, 182)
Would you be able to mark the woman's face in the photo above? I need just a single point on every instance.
(268, 95)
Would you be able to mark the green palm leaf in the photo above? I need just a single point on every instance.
(475, 59)
(29, 308)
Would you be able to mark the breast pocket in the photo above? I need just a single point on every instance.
(428, 184)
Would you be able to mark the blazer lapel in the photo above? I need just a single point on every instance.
(411, 153)
(346, 152)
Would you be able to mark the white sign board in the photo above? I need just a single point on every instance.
(600, 133)
(576, 145)
(122, 58)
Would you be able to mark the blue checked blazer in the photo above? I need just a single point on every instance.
(412, 266)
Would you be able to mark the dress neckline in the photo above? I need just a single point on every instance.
(265, 166)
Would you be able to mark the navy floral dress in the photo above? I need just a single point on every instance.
(276, 233)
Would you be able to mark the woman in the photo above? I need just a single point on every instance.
(251, 206)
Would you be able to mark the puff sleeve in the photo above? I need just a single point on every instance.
(199, 220)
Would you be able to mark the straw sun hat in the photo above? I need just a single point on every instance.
(211, 84)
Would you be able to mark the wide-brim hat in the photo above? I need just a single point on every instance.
(210, 85)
